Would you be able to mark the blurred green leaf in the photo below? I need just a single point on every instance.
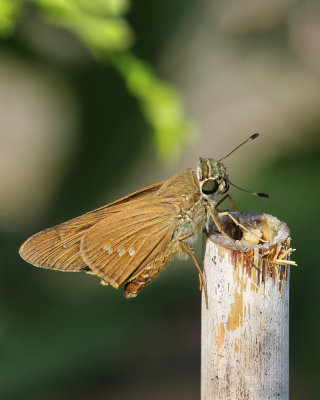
(9, 13)
(113, 8)
(56, 7)
(97, 33)
(160, 102)
(94, 23)
(100, 26)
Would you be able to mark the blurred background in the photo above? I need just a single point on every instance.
(99, 98)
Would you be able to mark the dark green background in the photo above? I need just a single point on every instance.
(63, 336)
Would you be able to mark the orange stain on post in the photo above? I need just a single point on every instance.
(220, 340)
(235, 318)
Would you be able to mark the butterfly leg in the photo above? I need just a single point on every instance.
(201, 279)
(218, 225)
(233, 205)
(227, 212)
(186, 249)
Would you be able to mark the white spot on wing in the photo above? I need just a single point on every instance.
(108, 248)
(121, 251)
(131, 251)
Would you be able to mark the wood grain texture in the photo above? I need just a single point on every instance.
(245, 330)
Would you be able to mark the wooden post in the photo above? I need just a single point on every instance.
(245, 329)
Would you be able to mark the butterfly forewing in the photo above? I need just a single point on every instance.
(119, 246)
(59, 247)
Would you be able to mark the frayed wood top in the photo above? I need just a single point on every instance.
(267, 231)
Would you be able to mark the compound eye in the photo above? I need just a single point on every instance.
(210, 186)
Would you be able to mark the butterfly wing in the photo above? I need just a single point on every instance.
(58, 247)
(122, 244)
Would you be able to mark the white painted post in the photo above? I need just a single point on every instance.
(245, 329)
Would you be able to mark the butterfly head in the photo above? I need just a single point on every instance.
(212, 176)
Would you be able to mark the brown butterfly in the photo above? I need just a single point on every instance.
(133, 239)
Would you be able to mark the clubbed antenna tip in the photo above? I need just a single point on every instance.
(244, 190)
(250, 138)
(263, 195)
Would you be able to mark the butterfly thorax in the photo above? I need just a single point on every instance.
(182, 190)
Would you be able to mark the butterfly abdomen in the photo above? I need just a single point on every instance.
(148, 274)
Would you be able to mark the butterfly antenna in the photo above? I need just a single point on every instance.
(254, 136)
(248, 191)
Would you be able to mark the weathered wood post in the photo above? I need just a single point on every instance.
(245, 329)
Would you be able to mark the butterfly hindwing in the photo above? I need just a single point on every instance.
(125, 242)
